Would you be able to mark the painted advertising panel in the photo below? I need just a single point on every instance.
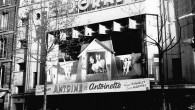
(129, 66)
(98, 70)
(97, 62)
(96, 87)
(67, 71)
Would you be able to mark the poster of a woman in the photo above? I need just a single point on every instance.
(96, 62)
(129, 66)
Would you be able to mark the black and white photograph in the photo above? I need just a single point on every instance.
(97, 54)
(96, 62)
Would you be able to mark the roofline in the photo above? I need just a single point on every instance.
(99, 44)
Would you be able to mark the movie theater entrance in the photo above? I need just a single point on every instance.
(101, 101)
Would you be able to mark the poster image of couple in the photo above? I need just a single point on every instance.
(96, 62)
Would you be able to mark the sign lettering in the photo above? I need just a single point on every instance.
(115, 85)
(63, 7)
(83, 6)
(96, 87)
(67, 88)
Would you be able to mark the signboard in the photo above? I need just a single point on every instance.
(18, 78)
(63, 7)
(96, 87)
(97, 63)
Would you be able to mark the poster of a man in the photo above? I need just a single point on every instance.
(96, 62)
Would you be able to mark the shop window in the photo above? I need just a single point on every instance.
(2, 70)
(22, 66)
(4, 21)
(3, 49)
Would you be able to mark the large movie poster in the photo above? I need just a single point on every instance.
(67, 71)
(96, 63)
(96, 67)
(129, 66)
(99, 70)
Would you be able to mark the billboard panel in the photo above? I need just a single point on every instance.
(98, 63)
(96, 87)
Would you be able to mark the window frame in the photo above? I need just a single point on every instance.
(3, 45)
(2, 72)
(6, 2)
(23, 43)
(22, 66)
(4, 21)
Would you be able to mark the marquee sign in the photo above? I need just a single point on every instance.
(62, 7)
(96, 87)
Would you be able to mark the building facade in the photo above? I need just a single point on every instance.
(136, 49)
(7, 35)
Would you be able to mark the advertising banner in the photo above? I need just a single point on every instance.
(62, 7)
(97, 63)
(96, 87)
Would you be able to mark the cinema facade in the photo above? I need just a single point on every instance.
(103, 60)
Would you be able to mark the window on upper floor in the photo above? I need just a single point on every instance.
(2, 70)
(3, 50)
(3, 2)
(6, 2)
(22, 66)
(23, 43)
(20, 89)
(4, 21)
(34, 79)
